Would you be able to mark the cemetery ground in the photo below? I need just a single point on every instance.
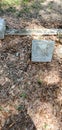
(30, 93)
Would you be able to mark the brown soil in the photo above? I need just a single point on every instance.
(30, 93)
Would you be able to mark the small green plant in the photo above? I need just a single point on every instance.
(25, 1)
(23, 95)
(39, 81)
(10, 2)
(49, 6)
(1, 108)
(45, 126)
(11, 9)
(20, 107)
(42, 1)
(36, 5)
(26, 10)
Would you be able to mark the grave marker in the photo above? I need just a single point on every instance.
(2, 28)
(42, 50)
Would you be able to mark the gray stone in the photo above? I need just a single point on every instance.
(36, 32)
(2, 28)
(42, 50)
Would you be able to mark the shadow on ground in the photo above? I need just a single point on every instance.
(21, 121)
(42, 13)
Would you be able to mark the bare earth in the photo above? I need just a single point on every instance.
(31, 93)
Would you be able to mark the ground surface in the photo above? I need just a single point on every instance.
(30, 93)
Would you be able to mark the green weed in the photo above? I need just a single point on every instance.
(39, 81)
(23, 95)
(36, 5)
(45, 126)
(20, 107)
(42, 1)
(1, 108)
(9, 3)
(49, 6)
(25, 1)
(11, 9)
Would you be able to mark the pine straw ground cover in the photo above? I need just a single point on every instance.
(30, 93)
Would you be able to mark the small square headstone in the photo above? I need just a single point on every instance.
(42, 50)
(2, 28)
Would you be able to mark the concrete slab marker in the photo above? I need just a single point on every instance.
(42, 50)
(42, 31)
(2, 28)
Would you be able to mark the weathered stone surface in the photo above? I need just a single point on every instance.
(34, 32)
(42, 50)
(2, 28)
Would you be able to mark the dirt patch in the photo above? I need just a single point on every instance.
(33, 86)
(30, 93)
